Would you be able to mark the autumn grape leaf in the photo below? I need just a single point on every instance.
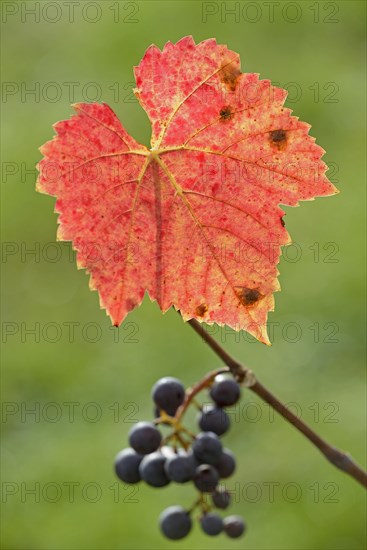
(194, 221)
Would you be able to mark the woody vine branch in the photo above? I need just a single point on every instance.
(247, 378)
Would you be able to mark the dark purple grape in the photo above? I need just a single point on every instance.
(145, 437)
(225, 392)
(175, 522)
(226, 464)
(214, 419)
(211, 524)
(168, 394)
(181, 467)
(234, 526)
(221, 499)
(127, 464)
(207, 448)
(206, 478)
(152, 470)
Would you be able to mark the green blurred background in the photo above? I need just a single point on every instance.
(88, 387)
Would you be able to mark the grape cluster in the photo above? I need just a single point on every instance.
(184, 457)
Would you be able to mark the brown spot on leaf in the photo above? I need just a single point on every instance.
(228, 75)
(282, 221)
(278, 138)
(226, 113)
(201, 310)
(249, 296)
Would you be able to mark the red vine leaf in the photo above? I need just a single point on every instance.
(194, 220)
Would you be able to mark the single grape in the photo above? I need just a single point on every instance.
(211, 524)
(221, 498)
(127, 464)
(152, 470)
(207, 448)
(181, 467)
(226, 464)
(206, 478)
(214, 419)
(234, 526)
(225, 392)
(145, 437)
(168, 394)
(175, 522)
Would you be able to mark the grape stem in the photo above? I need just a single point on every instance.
(200, 386)
(246, 377)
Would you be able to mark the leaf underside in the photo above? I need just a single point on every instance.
(194, 221)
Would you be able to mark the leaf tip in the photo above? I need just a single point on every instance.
(261, 335)
(266, 341)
